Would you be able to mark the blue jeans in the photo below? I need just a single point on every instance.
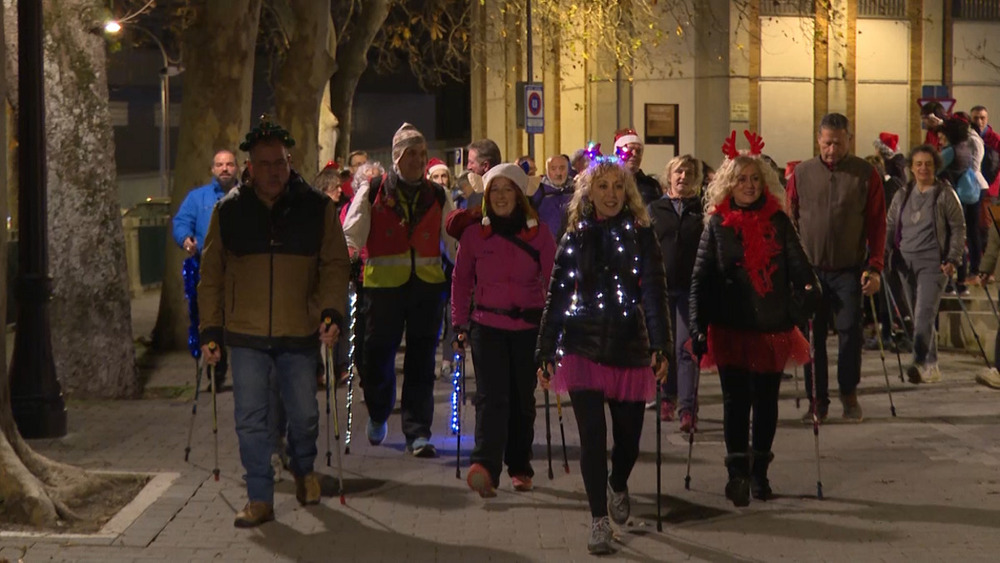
(841, 307)
(295, 372)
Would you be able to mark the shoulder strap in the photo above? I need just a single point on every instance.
(520, 243)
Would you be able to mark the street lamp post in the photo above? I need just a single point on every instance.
(35, 395)
(170, 68)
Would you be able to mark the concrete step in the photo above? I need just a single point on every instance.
(955, 332)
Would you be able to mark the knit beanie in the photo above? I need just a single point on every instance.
(407, 136)
(519, 178)
(435, 164)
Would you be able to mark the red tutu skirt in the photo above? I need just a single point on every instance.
(575, 373)
(759, 352)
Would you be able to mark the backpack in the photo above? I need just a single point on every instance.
(990, 167)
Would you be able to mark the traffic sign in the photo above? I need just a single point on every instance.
(946, 103)
(534, 121)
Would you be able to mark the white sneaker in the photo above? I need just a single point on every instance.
(989, 377)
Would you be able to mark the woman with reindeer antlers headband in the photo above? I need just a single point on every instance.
(750, 272)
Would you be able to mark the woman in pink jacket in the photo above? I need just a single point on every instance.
(503, 265)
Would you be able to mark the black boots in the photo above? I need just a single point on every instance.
(738, 487)
(748, 475)
(760, 488)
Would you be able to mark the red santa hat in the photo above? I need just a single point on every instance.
(435, 164)
(886, 144)
(626, 136)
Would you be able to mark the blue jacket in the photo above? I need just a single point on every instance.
(194, 213)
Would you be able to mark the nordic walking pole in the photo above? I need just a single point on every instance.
(972, 327)
(562, 433)
(194, 406)
(336, 418)
(815, 414)
(352, 302)
(697, 382)
(548, 427)
(889, 303)
(881, 352)
(326, 385)
(659, 459)
(215, 411)
(795, 377)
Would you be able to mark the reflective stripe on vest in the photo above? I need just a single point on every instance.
(403, 261)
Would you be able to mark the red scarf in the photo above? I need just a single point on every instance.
(754, 228)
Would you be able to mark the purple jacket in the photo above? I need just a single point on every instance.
(500, 276)
(550, 202)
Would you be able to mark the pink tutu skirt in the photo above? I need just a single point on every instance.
(576, 373)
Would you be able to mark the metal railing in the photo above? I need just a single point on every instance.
(988, 10)
(888, 9)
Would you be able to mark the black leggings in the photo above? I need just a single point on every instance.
(741, 391)
(626, 428)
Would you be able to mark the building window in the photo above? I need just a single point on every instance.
(801, 8)
(976, 10)
(891, 9)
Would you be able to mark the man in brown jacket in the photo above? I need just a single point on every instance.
(836, 202)
(274, 269)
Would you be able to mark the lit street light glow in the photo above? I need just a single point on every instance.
(112, 27)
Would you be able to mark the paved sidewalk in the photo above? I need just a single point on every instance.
(920, 487)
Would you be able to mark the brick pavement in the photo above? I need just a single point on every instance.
(921, 487)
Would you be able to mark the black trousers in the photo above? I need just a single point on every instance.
(743, 391)
(505, 399)
(626, 429)
(416, 308)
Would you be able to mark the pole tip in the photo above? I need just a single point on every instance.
(342, 500)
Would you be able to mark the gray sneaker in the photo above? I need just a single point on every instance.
(989, 377)
(619, 505)
(931, 374)
(600, 537)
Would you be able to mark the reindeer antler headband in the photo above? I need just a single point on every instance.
(756, 144)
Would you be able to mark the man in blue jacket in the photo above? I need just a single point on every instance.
(191, 220)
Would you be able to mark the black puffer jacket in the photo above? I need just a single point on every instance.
(721, 290)
(678, 236)
(619, 316)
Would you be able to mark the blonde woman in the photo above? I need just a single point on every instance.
(750, 273)
(678, 219)
(606, 312)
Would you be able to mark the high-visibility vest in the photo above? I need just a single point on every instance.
(398, 249)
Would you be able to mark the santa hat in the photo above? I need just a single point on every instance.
(519, 178)
(626, 136)
(407, 136)
(435, 164)
(886, 144)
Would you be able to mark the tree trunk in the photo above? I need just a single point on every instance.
(218, 52)
(91, 310)
(327, 130)
(32, 488)
(302, 78)
(352, 60)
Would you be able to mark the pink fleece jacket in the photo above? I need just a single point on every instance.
(502, 276)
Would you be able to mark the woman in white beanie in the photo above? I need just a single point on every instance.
(503, 267)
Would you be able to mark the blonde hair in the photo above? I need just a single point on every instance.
(726, 177)
(676, 162)
(580, 207)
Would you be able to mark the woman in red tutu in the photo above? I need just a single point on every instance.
(606, 311)
(751, 284)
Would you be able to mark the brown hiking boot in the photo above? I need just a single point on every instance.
(852, 408)
(307, 489)
(254, 514)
